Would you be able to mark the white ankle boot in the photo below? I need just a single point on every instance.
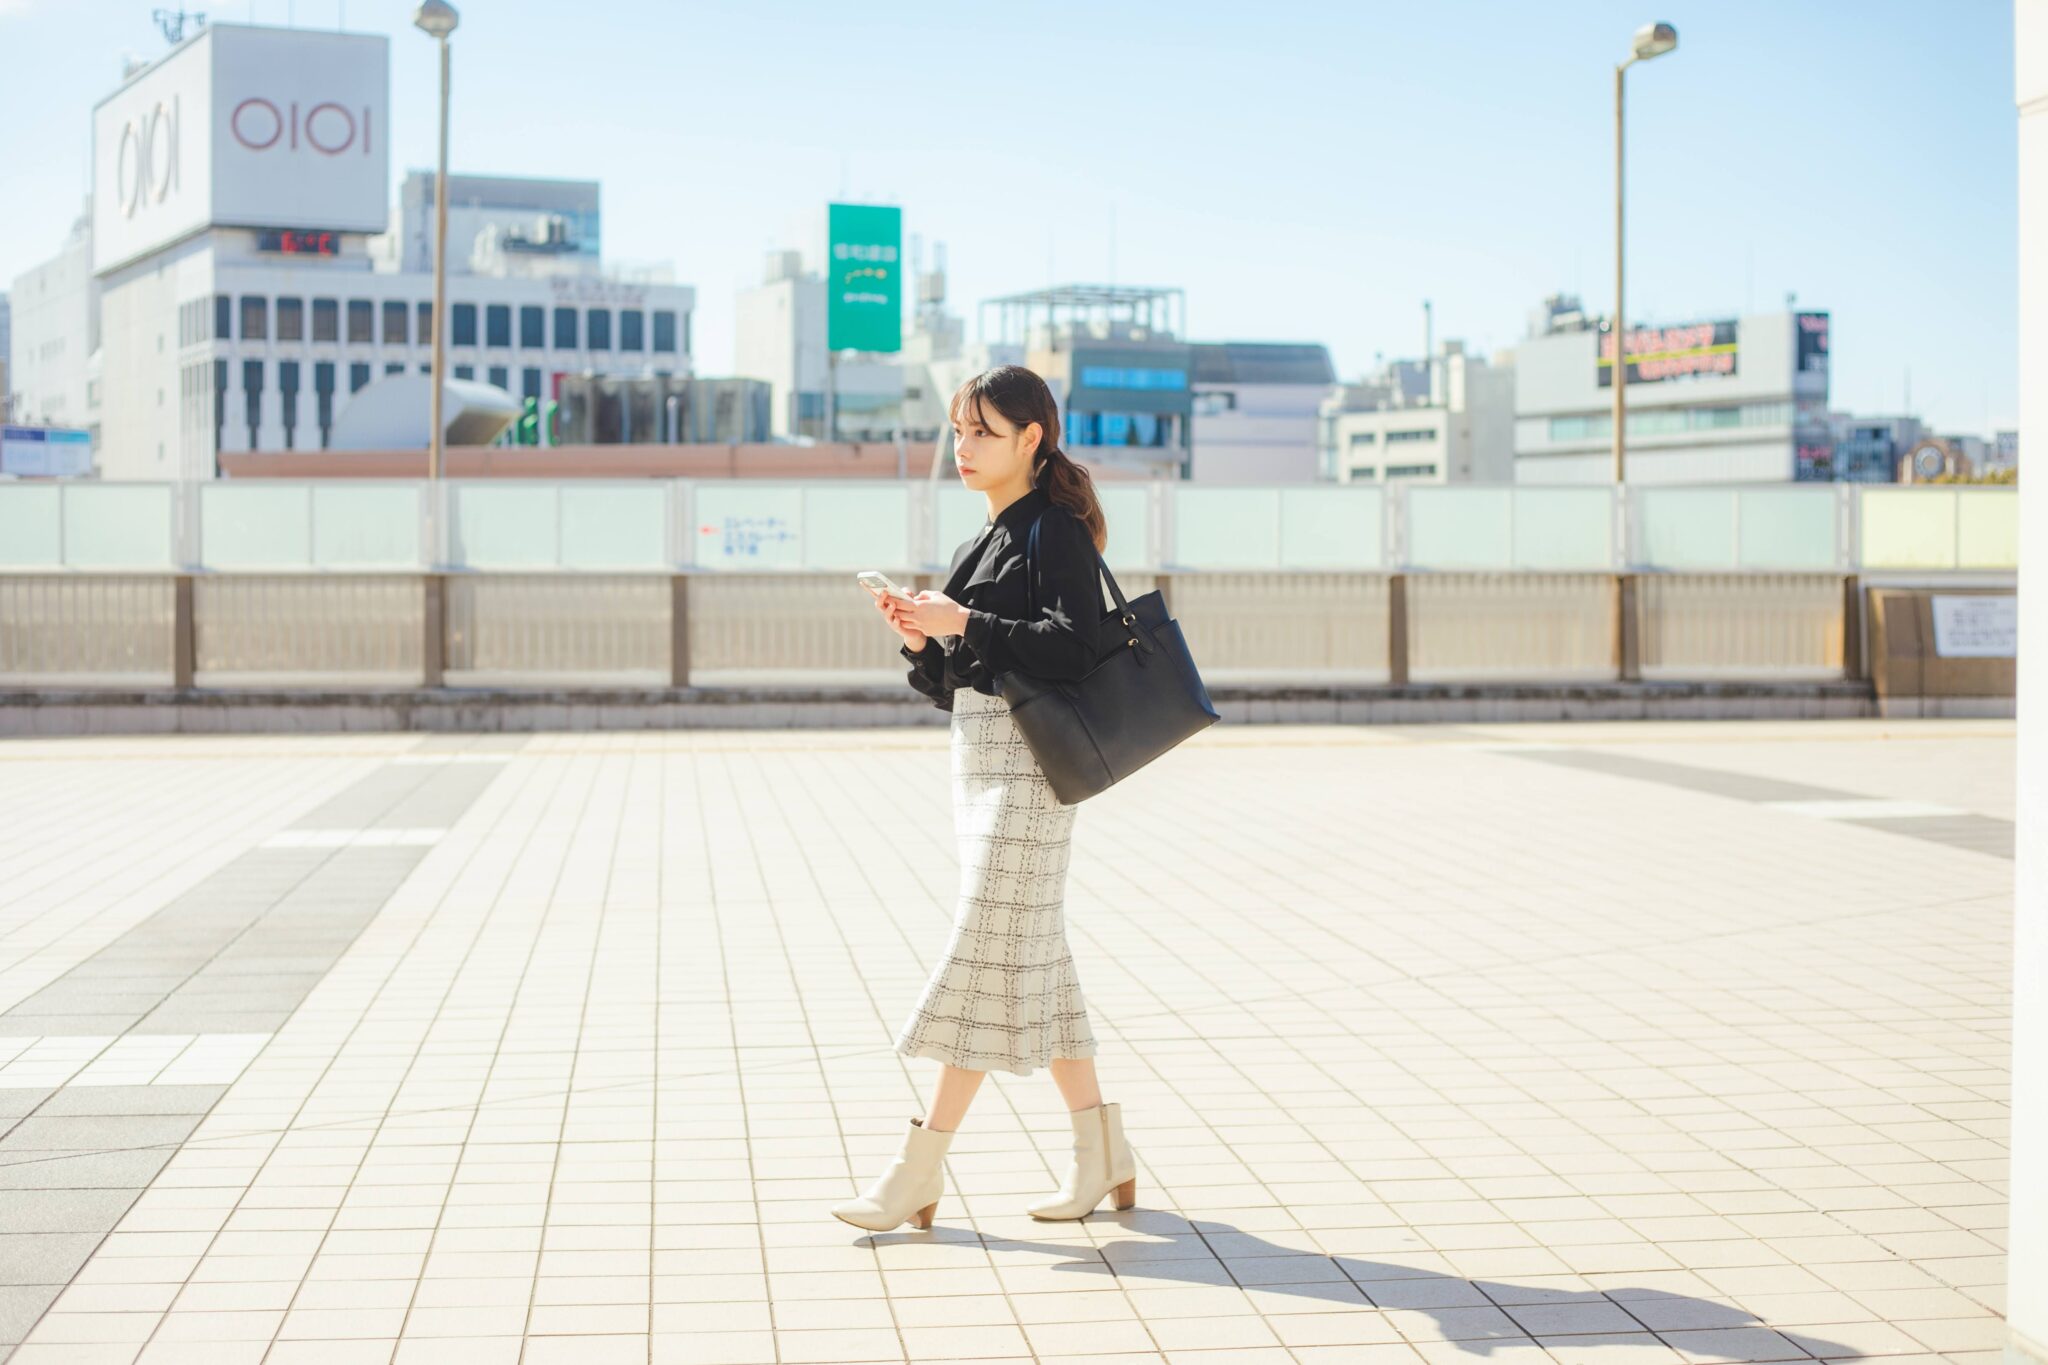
(1103, 1162)
(908, 1190)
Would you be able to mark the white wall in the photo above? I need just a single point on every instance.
(2027, 1266)
(1268, 437)
(52, 307)
(779, 336)
(1767, 461)
(141, 433)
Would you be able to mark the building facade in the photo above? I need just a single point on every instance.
(1450, 420)
(250, 281)
(53, 336)
(1867, 449)
(1740, 399)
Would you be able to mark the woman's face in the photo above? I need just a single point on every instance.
(989, 452)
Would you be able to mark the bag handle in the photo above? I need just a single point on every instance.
(1124, 615)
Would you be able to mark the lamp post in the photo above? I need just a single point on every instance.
(1651, 40)
(437, 19)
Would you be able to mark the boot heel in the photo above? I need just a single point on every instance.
(923, 1217)
(1127, 1194)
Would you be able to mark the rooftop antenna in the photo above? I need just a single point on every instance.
(173, 22)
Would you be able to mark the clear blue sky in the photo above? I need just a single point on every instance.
(1304, 171)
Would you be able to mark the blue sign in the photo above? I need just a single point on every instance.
(45, 452)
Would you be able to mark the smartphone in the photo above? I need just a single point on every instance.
(881, 583)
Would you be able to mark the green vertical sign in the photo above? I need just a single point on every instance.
(864, 278)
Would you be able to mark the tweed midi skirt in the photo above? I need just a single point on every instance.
(1004, 996)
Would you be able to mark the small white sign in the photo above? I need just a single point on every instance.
(1976, 627)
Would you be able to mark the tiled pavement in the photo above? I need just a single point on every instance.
(1602, 1044)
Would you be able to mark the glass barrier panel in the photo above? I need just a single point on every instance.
(1460, 528)
(614, 526)
(31, 526)
(1909, 528)
(503, 526)
(1226, 528)
(1987, 529)
(118, 526)
(961, 514)
(855, 527)
(1684, 528)
(749, 526)
(256, 524)
(1127, 508)
(1564, 528)
(1330, 528)
(1788, 528)
(366, 525)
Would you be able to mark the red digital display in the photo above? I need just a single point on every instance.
(299, 242)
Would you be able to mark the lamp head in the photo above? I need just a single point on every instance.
(1654, 40)
(436, 18)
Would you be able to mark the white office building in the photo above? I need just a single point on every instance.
(1448, 419)
(252, 276)
(1726, 400)
(53, 336)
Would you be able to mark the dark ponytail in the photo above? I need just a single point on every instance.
(1023, 398)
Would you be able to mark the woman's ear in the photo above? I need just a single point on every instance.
(1032, 436)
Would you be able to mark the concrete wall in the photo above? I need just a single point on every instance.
(2027, 1300)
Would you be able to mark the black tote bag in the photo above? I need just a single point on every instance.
(1141, 698)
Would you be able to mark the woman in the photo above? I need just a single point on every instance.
(1005, 995)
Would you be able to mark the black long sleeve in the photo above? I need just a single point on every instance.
(1062, 641)
(931, 673)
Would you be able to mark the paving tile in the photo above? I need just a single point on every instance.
(558, 1055)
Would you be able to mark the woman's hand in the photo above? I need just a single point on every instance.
(935, 614)
(893, 610)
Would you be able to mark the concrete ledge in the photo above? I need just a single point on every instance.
(99, 711)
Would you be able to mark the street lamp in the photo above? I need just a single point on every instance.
(1651, 40)
(437, 19)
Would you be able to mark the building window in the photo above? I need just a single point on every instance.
(394, 367)
(323, 397)
(291, 319)
(1131, 377)
(326, 320)
(359, 317)
(632, 324)
(394, 322)
(1411, 471)
(288, 388)
(1363, 438)
(424, 316)
(600, 329)
(252, 397)
(1412, 434)
(223, 316)
(565, 329)
(358, 375)
(501, 377)
(220, 397)
(498, 324)
(529, 382)
(533, 328)
(664, 330)
(255, 317)
(465, 371)
(462, 325)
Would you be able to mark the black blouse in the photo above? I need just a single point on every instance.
(1002, 634)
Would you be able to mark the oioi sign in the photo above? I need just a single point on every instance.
(864, 278)
(243, 127)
